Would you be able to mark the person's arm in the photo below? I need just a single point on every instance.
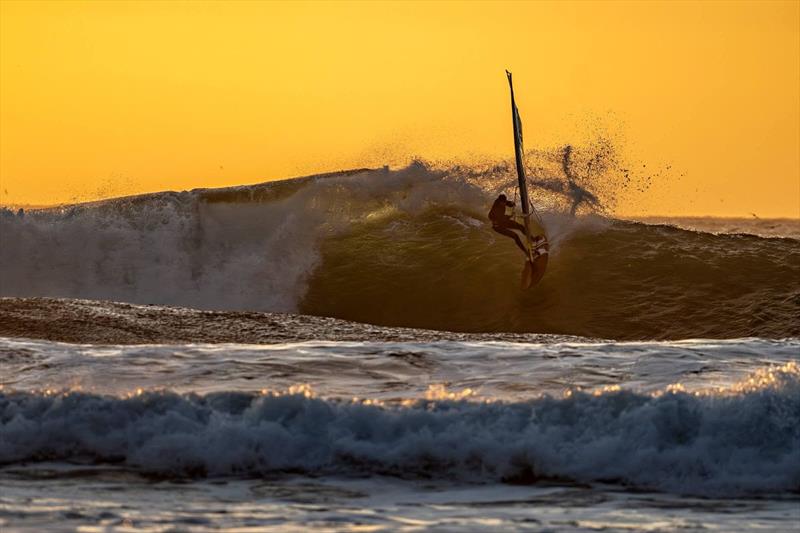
(509, 203)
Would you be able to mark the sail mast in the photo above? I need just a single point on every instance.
(523, 183)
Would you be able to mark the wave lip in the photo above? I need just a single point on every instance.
(744, 442)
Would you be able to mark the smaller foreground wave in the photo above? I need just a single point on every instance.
(745, 441)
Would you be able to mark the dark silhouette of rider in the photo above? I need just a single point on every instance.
(504, 224)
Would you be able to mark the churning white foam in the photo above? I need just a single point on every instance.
(185, 249)
(743, 441)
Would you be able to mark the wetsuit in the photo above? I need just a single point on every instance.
(504, 224)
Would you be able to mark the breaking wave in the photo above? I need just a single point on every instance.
(739, 442)
(407, 247)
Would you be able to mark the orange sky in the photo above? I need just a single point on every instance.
(107, 98)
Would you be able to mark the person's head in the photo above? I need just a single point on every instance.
(502, 197)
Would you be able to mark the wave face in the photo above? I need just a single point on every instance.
(409, 247)
(720, 445)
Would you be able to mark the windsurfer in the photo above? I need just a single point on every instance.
(504, 224)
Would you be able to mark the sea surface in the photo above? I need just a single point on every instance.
(352, 352)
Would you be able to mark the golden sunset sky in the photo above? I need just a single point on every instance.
(102, 99)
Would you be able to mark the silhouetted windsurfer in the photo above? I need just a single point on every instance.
(503, 223)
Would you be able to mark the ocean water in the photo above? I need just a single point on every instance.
(401, 435)
(352, 352)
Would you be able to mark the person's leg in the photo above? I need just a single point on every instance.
(513, 224)
(508, 233)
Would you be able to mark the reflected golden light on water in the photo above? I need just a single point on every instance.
(439, 392)
(760, 380)
(303, 389)
(765, 378)
(606, 389)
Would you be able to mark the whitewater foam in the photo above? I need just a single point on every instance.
(236, 249)
(722, 445)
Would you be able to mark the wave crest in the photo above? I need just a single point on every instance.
(406, 247)
(730, 444)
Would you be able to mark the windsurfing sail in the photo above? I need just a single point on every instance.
(523, 183)
(537, 247)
